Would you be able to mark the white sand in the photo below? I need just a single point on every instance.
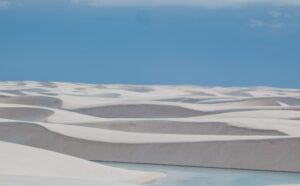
(38, 166)
(178, 125)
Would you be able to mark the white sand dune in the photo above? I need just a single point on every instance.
(228, 151)
(246, 128)
(99, 144)
(25, 113)
(180, 127)
(139, 111)
(263, 101)
(272, 114)
(30, 166)
(17, 180)
(113, 136)
(33, 100)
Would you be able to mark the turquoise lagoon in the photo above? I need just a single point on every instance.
(196, 176)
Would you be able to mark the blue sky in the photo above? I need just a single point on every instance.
(201, 42)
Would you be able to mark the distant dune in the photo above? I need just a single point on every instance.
(246, 128)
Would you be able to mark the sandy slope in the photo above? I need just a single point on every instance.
(249, 128)
(21, 165)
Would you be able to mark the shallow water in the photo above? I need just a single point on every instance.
(195, 176)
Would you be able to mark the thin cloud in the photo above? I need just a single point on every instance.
(254, 23)
(273, 24)
(4, 3)
(276, 25)
(9, 3)
(275, 14)
(274, 20)
(201, 3)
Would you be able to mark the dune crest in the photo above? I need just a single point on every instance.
(236, 127)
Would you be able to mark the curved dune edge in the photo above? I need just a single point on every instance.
(280, 127)
(25, 113)
(139, 111)
(263, 101)
(146, 110)
(43, 101)
(181, 127)
(112, 136)
(56, 116)
(19, 160)
(241, 154)
(259, 127)
(240, 119)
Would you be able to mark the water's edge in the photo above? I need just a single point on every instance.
(201, 176)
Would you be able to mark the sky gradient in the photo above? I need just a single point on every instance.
(207, 44)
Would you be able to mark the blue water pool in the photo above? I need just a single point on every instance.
(195, 176)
